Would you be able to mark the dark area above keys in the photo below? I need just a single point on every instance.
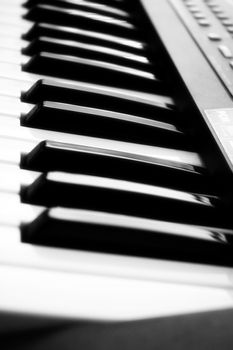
(124, 197)
(89, 70)
(50, 156)
(82, 19)
(78, 229)
(102, 123)
(68, 47)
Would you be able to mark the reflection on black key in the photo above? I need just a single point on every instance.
(82, 19)
(77, 68)
(50, 156)
(68, 47)
(124, 197)
(115, 3)
(103, 123)
(81, 5)
(84, 36)
(120, 4)
(118, 234)
(103, 97)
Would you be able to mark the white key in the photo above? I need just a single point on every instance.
(15, 44)
(16, 22)
(12, 178)
(12, 11)
(13, 212)
(13, 88)
(12, 2)
(9, 30)
(89, 297)
(13, 56)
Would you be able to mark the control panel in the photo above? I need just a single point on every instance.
(210, 23)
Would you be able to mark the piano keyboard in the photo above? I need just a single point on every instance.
(109, 209)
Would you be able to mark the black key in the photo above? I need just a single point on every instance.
(124, 197)
(77, 68)
(90, 51)
(85, 36)
(118, 234)
(103, 97)
(82, 5)
(105, 124)
(121, 4)
(50, 156)
(115, 3)
(82, 19)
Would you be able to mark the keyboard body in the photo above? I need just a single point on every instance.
(51, 286)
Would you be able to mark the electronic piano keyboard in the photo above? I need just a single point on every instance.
(115, 160)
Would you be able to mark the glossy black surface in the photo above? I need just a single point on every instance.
(89, 70)
(82, 5)
(103, 123)
(85, 36)
(82, 19)
(48, 156)
(90, 51)
(156, 107)
(123, 197)
(124, 235)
